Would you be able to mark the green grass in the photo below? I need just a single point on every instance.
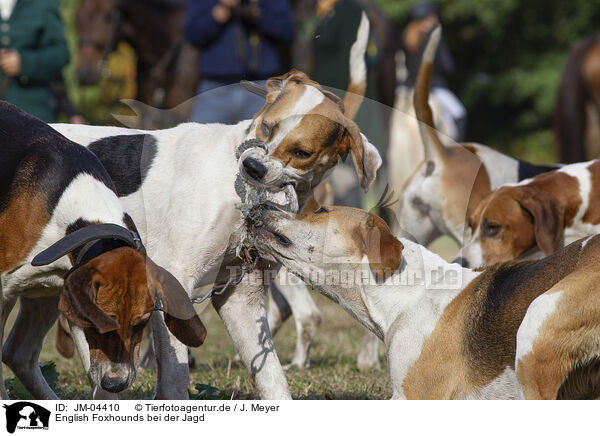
(332, 375)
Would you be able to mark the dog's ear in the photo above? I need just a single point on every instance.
(334, 98)
(366, 157)
(180, 316)
(276, 84)
(77, 301)
(548, 217)
(383, 250)
(64, 342)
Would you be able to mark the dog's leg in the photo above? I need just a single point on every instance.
(171, 360)
(3, 394)
(242, 309)
(306, 315)
(83, 349)
(368, 356)
(6, 307)
(279, 310)
(21, 351)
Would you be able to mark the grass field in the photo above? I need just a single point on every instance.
(332, 375)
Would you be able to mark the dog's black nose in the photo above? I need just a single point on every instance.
(461, 261)
(112, 382)
(254, 168)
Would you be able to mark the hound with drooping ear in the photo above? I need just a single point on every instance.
(516, 330)
(536, 217)
(439, 192)
(55, 196)
(202, 180)
(447, 186)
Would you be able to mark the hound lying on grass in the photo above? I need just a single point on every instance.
(520, 329)
(53, 191)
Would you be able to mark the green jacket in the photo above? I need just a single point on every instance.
(334, 36)
(35, 30)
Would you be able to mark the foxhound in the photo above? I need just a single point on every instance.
(524, 329)
(452, 179)
(535, 217)
(55, 196)
(442, 182)
(191, 187)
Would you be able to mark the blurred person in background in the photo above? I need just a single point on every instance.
(33, 51)
(335, 32)
(424, 16)
(239, 40)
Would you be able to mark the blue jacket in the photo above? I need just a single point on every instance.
(221, 57)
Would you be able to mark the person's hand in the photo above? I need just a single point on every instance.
(77, 119)
(230, 3)
(222, 10)
(10, 62)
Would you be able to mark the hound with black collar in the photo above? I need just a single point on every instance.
(185, 187)
(56, 193)
(516, 330)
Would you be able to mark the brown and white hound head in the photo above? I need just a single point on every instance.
(511, 222)
(328, 240)
(112, 297)
(305, 131)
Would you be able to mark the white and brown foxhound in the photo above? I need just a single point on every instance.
(441, 181)
(189, 188)
(524, 329)
(535, 217)
(448, 184)
(56, 196)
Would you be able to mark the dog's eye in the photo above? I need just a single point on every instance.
(282, 240)
(491, 230)
(301, 154)
(266, 129)
(322, 209)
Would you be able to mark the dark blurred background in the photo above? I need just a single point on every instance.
(509, 56)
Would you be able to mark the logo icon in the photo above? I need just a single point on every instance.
(26, 415)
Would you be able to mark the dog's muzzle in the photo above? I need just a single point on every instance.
(264, 178)
(254, 168)
(258, 168)
(116, 378)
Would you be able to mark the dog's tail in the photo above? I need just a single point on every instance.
(357, 83)
(431, 141)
